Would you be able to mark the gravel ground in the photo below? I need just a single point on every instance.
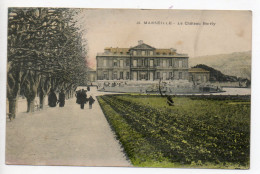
(63, 136)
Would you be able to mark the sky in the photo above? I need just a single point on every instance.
(219, 32)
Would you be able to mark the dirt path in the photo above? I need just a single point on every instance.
(63, 136)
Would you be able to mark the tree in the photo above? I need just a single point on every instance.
(45, 50)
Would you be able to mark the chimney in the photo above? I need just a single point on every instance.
(140, 42)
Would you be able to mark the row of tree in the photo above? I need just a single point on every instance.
(45, 51)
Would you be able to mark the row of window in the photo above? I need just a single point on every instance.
(145, 62)
(143, 76)
(143, 53)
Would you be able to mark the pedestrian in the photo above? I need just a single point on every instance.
(52, 99)
(62, 98)
(81, 98)
(88, 88)
(91, 102)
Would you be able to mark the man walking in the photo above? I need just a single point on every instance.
(61, 98)
(91, 101)
(81, 98)
(52, 99)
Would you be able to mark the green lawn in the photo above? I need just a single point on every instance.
(198, 132)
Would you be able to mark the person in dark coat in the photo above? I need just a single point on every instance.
(88, 88)
(81, 98)
(91, 101)
(52, 99)
(77, 95)
(61, 98)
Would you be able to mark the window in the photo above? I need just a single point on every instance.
(205, 78)
(105, 77)
(199, 78)
(115, 62)
(121, 63)
(143, 76)
(143, 53)
(164, 63)
(151, 63)
(180, 75)
(127, 62)
(145, 62)
(127, 75)
(158, 62)
(170, 75)
(121, 75)
(158, 75)
(139, 62)
(134, 63)
(105, 62)
(170, 62)
(151, 76)
(142, 62)
(115, 75)
(164, 75)
(151, 53)
(134, 52)
(134, 75)
(180, 64)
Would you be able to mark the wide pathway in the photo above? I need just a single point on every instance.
(63, 136)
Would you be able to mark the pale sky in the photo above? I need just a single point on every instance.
(230, 31)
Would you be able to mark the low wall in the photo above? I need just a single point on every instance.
(230, 84)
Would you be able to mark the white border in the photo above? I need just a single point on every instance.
(253, 5)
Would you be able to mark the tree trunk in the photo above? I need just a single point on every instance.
(30, 105)
(42, 97)
(67, 95)
(12, 107)
(71, 96)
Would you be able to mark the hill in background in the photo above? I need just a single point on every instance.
(216, 75)
(235, 64)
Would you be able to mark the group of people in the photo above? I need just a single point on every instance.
(82, 99)
(53, 100)
(80, 95)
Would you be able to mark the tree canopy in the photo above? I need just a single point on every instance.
(45, 50)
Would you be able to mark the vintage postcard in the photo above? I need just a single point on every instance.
(129, 88)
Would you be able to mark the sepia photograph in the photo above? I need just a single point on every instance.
(158, 88)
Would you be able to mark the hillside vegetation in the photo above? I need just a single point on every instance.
(216, 75)
(235, 64)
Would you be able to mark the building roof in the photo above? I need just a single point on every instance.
(142, 46)
(126, 50)
(117, 50)
(198, 70)
(165, 51)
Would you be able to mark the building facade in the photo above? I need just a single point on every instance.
(91, 76)
(198, 75)
(142, 62)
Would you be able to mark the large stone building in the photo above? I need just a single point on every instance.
(142, 62)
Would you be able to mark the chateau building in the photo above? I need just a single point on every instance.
(142, 62)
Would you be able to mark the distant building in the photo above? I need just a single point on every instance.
(198, 75)
(142, 62)
(91, 75)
